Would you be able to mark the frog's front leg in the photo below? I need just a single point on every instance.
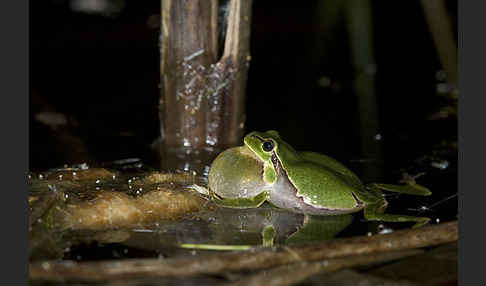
(268, 236)
(376, 212)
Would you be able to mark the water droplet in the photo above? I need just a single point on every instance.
(440, 165)
(385, 231)
(437, 220)
(46, 265)
(74, 173)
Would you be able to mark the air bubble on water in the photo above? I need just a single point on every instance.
(98, 181)
(46, 265)
(440, 165)
(385, 231)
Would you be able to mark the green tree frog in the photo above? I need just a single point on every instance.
(266, 168)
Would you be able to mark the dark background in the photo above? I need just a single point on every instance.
(103, 70)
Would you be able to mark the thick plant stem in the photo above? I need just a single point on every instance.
(202, 97)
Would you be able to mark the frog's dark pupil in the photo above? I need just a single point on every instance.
(267, 146)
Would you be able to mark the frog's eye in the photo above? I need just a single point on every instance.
(268, 145)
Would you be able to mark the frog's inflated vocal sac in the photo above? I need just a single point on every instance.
(266, 168)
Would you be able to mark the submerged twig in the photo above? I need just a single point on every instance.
(296, 272)
(237, 261)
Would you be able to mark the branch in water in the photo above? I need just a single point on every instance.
(249, 260)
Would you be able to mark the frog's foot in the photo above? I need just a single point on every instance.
(376, 212)
(268, 236)
(241, 203)
(409, 188)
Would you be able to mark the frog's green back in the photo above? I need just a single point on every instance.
(332, 164)
(320, 180)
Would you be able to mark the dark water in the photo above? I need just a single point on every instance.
(104, 72)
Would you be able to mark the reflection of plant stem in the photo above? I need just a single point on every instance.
(238, 261)
(440, 27)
